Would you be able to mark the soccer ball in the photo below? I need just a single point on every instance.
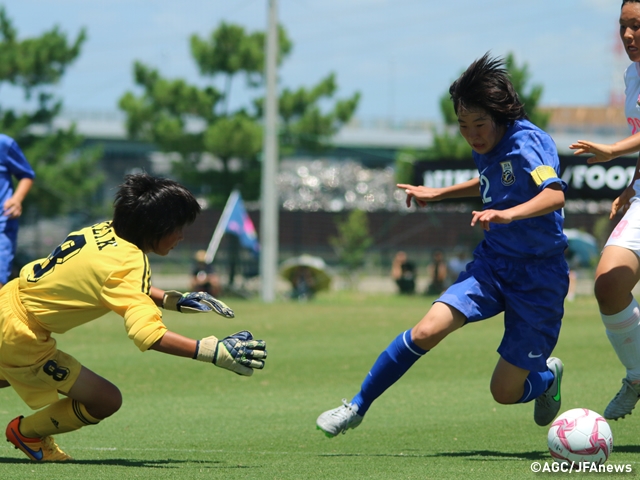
(580, 435)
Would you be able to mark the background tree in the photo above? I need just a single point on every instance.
(448, 144)
(304, 126)
(352, 243)
(200, 125)
(66, 178)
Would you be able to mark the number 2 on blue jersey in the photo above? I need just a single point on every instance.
(484, 189)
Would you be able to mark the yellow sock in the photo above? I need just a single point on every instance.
(65, 415)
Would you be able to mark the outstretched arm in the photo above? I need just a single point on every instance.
(175, 344)
(547, 201)
(190, 302)
(621, 204)
(604, 152)
(157, 295)
(239, 352)
(424, 195)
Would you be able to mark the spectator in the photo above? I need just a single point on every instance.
(404, 274)
(204, 278)
(437, 271)
(457, 264)
(303, 283)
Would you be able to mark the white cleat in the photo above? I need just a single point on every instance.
(339, 420)
(624, 401)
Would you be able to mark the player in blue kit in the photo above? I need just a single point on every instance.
(519, 268)
(13, 164)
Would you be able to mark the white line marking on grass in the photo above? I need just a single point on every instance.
(299, 453)
(127, 449)
(194, 450)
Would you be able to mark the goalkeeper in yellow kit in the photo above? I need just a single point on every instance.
(95, 270)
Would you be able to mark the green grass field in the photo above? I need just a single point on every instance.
(183, 419)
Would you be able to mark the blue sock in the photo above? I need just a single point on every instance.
(388, 368)
(535, 385)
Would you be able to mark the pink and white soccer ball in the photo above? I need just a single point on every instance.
(580, 435)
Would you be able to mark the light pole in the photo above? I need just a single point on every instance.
(269, 200)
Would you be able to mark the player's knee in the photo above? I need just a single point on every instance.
(503, 398)
(502, 394)
(607, 288)
(425, 337)
(110, 402)
(114, 402)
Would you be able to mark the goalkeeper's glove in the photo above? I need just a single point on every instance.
(239, 352)
(195, 302)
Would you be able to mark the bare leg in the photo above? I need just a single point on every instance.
(617, 274)
(100, 397)
(507, 382)
(440, 321)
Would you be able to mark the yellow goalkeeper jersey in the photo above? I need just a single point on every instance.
(92, 272)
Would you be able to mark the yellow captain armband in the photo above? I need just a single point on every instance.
(542, 173)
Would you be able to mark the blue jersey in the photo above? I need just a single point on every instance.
(524, 162)
(12, 164)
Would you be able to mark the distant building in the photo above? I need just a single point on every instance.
(120, 154)
(602, 124)
(356, 173)
(373, 144)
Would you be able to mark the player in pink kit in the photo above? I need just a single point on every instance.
(618, 271)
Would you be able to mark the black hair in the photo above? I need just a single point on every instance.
(148, 208)
(486, 85)
(628, 1)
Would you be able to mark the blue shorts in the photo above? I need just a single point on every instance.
(8, 241)
(531, 294)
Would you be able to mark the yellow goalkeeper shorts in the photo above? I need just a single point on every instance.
(29, 359)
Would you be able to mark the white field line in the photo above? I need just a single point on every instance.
(299, 453)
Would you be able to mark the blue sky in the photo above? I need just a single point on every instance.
(400, 54)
